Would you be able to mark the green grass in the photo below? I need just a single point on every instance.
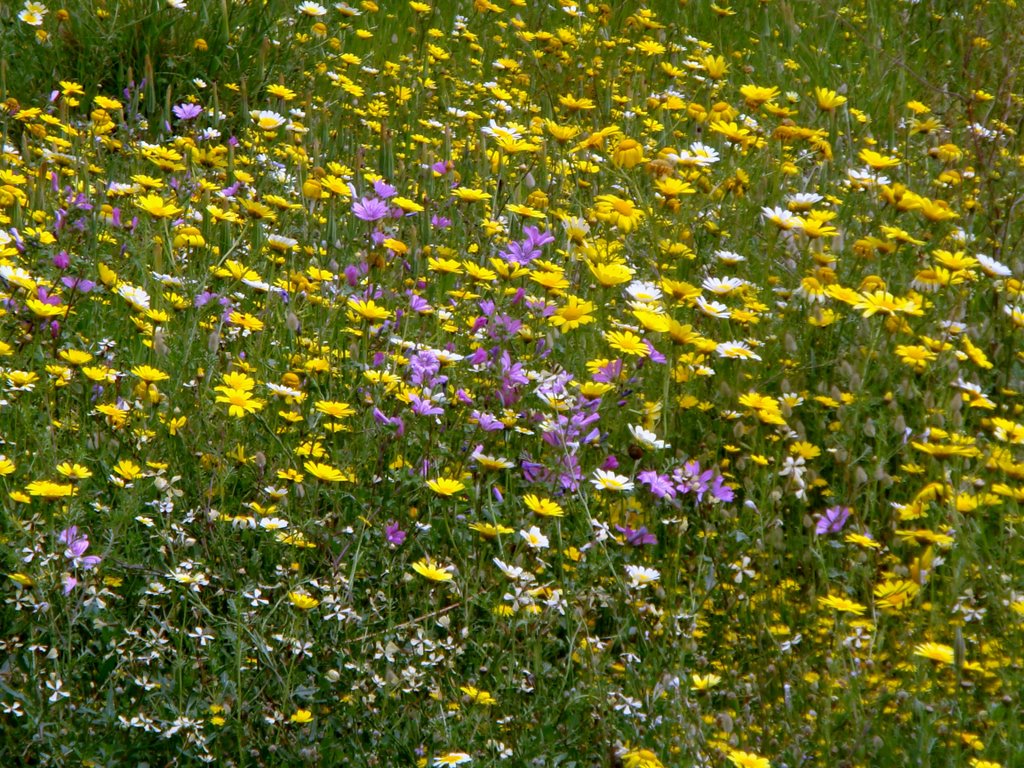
(313, 369)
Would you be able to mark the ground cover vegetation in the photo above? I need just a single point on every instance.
(524, 383)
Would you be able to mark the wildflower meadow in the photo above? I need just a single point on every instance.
(512, 382)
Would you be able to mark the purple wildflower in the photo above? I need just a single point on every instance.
(609, 372)
(520, 253)
(424, 406)
(394, 533)
(486, 421)
(720, 491)
(383, 189)
(75, 548)
(690, 479)
(637, 538)
(417, 303)
(424, 368)
(534, 472)
(654, 355)
(659, 485)
(44, 296)
(370, 209)
(352, 273)
(78, 284)
(832, 520)
(537, 239)
(187, 111)
(571, 475)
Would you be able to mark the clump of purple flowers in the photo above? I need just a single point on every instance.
(75, 546)
(529, 248)
(687, 479)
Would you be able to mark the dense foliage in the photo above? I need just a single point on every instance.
(507, 382)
